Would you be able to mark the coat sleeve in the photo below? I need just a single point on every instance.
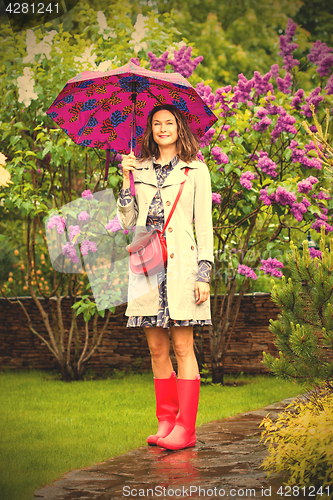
(127, 214)
(203, 214)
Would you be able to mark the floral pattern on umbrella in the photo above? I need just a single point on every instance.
(95, 108)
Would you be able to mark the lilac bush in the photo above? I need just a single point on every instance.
(268, 189)
(270, 164)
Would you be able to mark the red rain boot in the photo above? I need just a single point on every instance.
(183, 434)
(167, 406)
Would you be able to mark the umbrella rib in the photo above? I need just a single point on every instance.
(157, 99)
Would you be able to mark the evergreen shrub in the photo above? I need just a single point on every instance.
(301, 444)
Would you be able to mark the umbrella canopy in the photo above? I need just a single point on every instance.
(105, 109)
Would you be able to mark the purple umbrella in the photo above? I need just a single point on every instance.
(109, 110)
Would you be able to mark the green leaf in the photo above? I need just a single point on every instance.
(86, 316)
(247, 209)
(287, 154)
(228, 168)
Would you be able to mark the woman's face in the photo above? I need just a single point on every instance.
(164, 127)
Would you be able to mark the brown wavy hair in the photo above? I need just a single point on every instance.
(187, 143)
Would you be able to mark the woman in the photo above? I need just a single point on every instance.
(180, 298)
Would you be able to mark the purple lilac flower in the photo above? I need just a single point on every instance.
(314, 98)
(205, 92)
(206, 138)
(261, 113)
(87, 245)
(263, 125)
(318, 51)
(182, 62)
(219, 156)
(284, 84)
(312, 163)
(268, 166)
(87, 194)
(290, 30)
(216, 198)
(284, 197)
(285, 123)
(135, 60)
(221, 98)
(297, 155)
(329, 85)
(74, 231)
(69, 250)
(246, 271)
(225, 127)
(57, 221)
(323, 196)
(158, 63)
(271, 266)
(118, 157)
(287, 46)
(261, 83)
(200, 156)
(272, 109)
(322, 217)
(298, 99)
(306, 185)
(312, 147)
(321, 222)
(315, 253)
(313, 129)
(289, 61)
(254, 157)
(83, 216)
(298, 209)
(325, 65)
(233, 133)
(246, 178)
(275, 70)
(267, 199)
(323, 208)
(242, 89)
(113, 225)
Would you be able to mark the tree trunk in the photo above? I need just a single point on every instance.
(218, 371)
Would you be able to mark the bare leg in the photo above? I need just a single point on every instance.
(182, 341)
(159, 347)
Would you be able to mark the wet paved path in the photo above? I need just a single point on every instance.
(225, 463)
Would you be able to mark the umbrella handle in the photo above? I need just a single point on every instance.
(132, 183)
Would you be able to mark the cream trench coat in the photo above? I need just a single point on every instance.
(184, 252)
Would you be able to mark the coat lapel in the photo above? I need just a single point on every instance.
(145, 173)
(177, 175)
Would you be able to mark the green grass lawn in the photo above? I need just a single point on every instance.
(50, 427)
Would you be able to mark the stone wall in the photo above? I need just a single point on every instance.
(122, 347)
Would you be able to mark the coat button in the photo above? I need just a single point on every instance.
(172, 255)
(192, 247)
(170, 229)
(168, 202)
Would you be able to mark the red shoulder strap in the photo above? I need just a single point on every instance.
(176, 201)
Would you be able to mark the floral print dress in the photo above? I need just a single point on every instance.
(155, 220)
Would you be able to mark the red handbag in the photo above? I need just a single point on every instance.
(148, 253)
